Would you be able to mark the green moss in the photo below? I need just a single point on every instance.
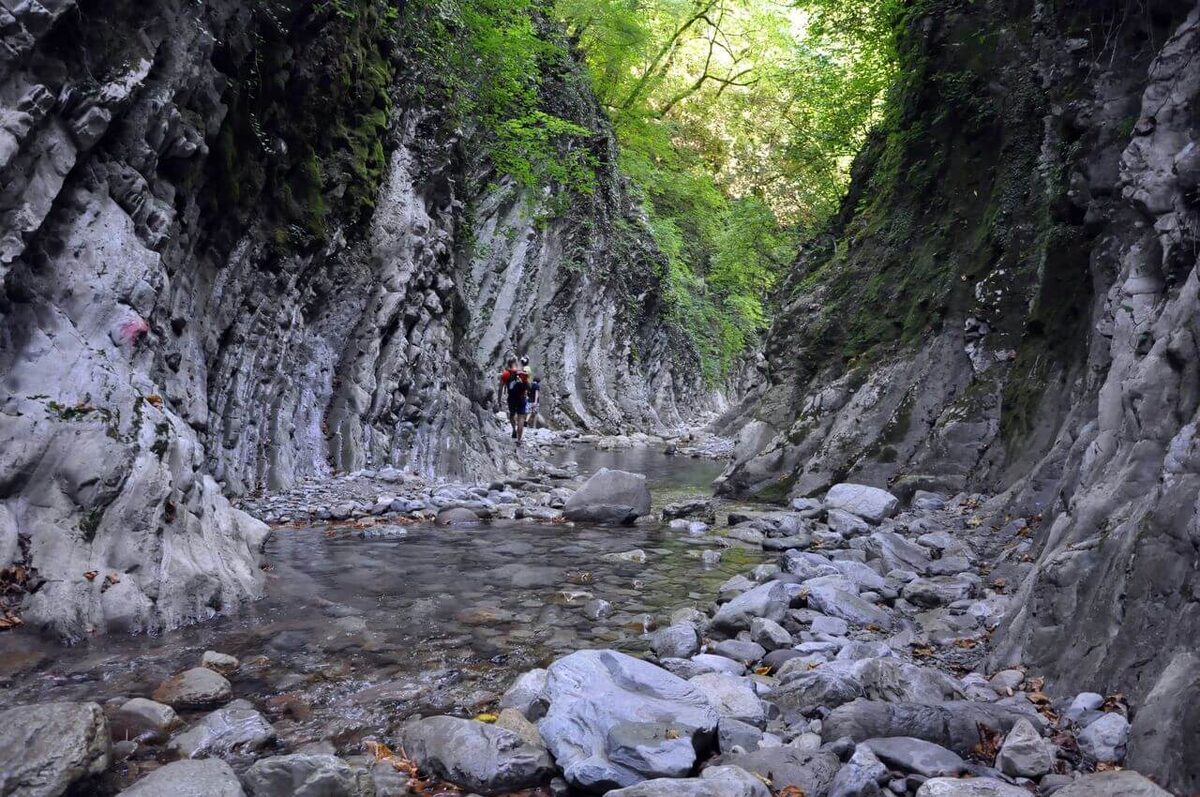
(302, 145)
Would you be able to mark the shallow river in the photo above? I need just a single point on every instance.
(362, 628)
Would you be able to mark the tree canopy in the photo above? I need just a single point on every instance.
(737, 122)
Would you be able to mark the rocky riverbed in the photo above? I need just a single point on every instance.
(505, 638)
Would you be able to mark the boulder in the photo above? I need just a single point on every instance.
(732, 697)
(733, 733)
(829, 595)
(769, 600)
(953, 724)
(527, 695)
(916, 755)
(713, 782)
(210, 777)
(1025, 754)
(302, 775)
(868, 503)
(739, 650)
(595, 696)
(1112, 784)
(860, 777)
(808, 690)
(479, 757)
(219, 662)
(456, 516)
(812, 771)
(770, 634)
(1104, 738)
(237, 727)
(46, 748)
(678, 641)
(198, 687)
(972, 787)
(610, 496)
(703, 508)
(1083, 703)
(512, 720)
(141, 719)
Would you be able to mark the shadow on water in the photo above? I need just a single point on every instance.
(364, 627)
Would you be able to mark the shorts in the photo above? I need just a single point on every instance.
(516, 407)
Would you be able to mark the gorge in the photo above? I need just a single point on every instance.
(261, 262)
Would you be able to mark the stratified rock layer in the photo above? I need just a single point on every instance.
(235, 251)
(1013, 306)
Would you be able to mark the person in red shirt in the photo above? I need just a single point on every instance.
(510, 371)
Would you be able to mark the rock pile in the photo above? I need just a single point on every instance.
(854, 666)
(851, 666)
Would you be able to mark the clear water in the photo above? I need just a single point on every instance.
(363, 628)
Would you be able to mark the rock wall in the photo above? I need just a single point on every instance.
(1008, 303)
(235, 251)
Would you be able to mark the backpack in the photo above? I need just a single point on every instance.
(513, 386)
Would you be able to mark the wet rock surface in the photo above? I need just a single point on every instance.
(762, 667)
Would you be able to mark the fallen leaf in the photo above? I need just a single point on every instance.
(671, 733)
(790, 791)
(989, 744)
(91, 575)
(763, 670)
(922, 651)
(1115, 702)
(965, 643)
(112, 578)
(155, 401)
(486, 717)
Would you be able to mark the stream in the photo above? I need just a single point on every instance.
(362, 628)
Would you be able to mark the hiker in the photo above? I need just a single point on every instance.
(535, 395)
(518, 402)
(510, 370)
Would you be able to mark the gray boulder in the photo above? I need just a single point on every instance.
(732, 697)
(1112, 784)
(593, 693)
(679, 641)
(477, 756)
(739, 650)
(45, 748)
(769, 600)
(822, 687)
(869, 503)
(897, 552)
(610, 496)
(812, 771)
(237, 727)
(527, 695)
(861, 775)
(209, 777)
(953, 724)
(770, 634)
(457, 516)
(1104, 739)
(829, 595)
(733, 733)
(916, 755)
(713, 782)
(971, 787)
(142, 719)
(301, 775)
(1025, 754)
(198, 687)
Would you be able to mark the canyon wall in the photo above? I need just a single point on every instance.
(1008, 303)
(237, 250)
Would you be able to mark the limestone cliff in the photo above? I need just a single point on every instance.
(1008, 303)
(238, 249)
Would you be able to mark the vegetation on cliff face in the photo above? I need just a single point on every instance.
(303, 139)
(736, 123)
